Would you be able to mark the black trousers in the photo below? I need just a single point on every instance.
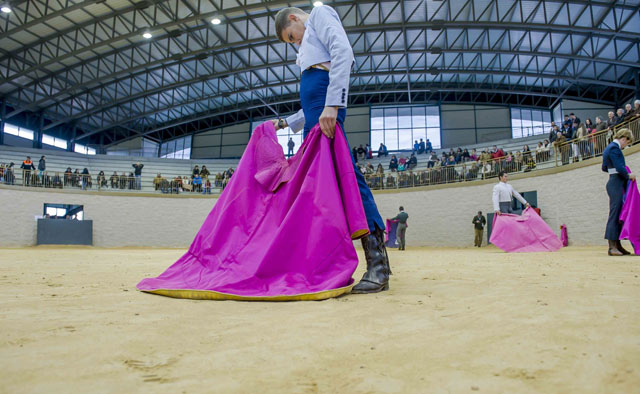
(615, 189)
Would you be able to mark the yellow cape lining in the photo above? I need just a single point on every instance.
(215, 295)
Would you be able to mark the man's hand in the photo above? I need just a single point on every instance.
(498, 212)
(632, 177)
(328, 121)
(527, 205)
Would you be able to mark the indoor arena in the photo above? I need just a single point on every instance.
(419, 196)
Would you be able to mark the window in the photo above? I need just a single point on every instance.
(54, 141)
(85, 150)
(399, 127)
(18, 131)
(526, 122)
(176, 149)
(283, 136)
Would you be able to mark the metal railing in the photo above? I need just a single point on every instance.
(554, 155)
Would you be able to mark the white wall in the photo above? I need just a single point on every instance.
(437, 217)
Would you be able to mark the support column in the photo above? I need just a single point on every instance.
(37, 135)
(72, 142)
(3, 113)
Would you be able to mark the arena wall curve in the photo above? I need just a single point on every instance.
(439, 216)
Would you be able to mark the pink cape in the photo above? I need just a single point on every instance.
(280, 228)
(630, 216)
(525, 233)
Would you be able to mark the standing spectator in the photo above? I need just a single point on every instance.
(354, 153)
(361, 152)
(562, 148)
(27, 167)
(539, 153)
(291, 144)
(137, 168)
(2, 169)
(628, 112)
(636, 108)
(552, 131)
(619, 116)
(9, 176)
(85, 179)
(368, 152)
(42, 166)
(567, 122)
(478, 224)
(393, 163)
(401, 217)
(133, 182)
(204, 173)
(382, 150)
(611, 120)
(574, 119)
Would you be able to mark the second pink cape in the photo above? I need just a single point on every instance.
(523, 233)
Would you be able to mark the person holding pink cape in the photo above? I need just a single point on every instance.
(614, 164)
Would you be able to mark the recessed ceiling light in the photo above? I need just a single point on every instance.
(5, 9)
(317, 4)
(147, 35)
(216, 21)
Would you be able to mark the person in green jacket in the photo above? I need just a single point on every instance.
(401, 217)
(478, 223)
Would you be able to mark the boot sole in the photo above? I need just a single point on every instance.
(376, 290)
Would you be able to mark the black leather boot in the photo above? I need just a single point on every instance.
(376, 278)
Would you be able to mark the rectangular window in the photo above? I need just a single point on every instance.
(18, 131)
(85, 150)
(176, 149)
(526, 122)
(399, 127)
(54, 141)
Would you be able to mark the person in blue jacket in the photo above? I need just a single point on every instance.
(613, 163)
(325, 58)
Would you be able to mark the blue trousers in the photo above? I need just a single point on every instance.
(615, 189)
(313, 92)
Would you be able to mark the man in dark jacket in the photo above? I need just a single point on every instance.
(138, 174)
(478, 223)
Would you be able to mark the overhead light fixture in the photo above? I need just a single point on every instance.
(434, 71)
(317, 4)
(6, 9)
(435, 50)
(147, 35)
(216, 21)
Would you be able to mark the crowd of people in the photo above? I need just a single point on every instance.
(574, 140)
(37, 176)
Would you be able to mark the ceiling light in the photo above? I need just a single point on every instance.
(5, 9)
(216, 21)
(147, 35)
(317, 4)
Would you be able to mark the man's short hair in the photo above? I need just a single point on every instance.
(401, 208)
(572, 114)
(566, 116)
(501, 174)
(283, 21)
(480, 212)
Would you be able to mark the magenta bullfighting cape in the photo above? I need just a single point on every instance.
(525, 233)
(281, 230)
(630, 216)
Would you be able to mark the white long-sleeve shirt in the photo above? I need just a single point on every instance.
(325, 40)
(502, 192)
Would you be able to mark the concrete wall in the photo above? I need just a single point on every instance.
(472, 124)
(584, 110)
(438, 217)
(227, 141)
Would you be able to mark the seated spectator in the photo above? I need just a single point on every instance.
(177, 183)
(433, 159)
(379, 169)
(2, 167)
(382, 150)
(101, 180)
(369, 170)
(207, 186)
(196, 171)
(465, 155)
(458, 156)
(429, 147)
(628, 112)
(497, 153)
(416, 146)
(451, 161)
(204, 173)
(124, 180)
(567, 122)
(474, 155)
(393, 163)
(402, 161)
(421, 147)
(636, 108)
(540, 152)
(114, 180)
(157, 181)
(219, 178)
(197, 183)
(413, 162)
(186, 184)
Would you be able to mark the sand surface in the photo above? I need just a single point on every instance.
(455, 320)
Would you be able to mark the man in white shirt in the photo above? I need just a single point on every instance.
(325, 58)
(502, 193)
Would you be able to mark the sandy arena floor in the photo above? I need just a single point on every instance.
(455, 320)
